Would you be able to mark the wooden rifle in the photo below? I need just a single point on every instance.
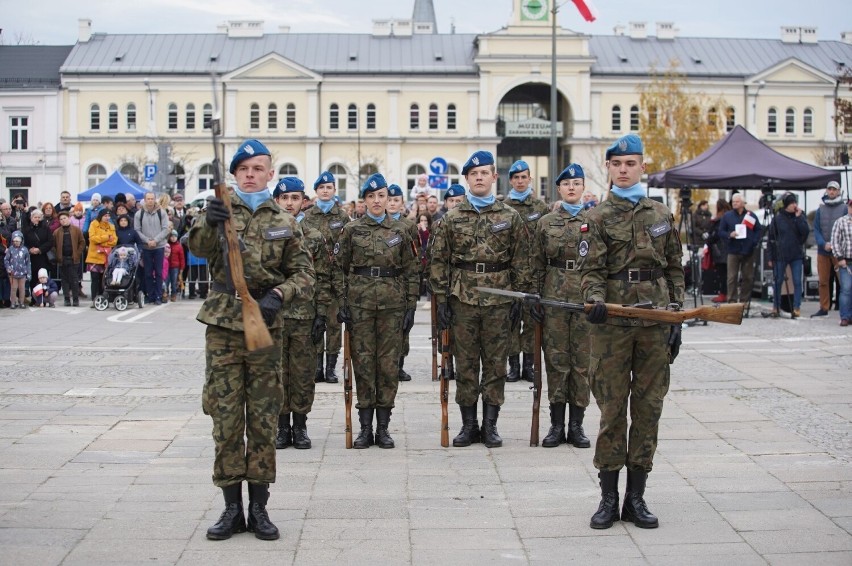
(446, 355)
(434, 338)
(536, 386)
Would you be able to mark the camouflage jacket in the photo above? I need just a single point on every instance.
(411, 228)
(323, 291)
(558, 237)
(331, 226)
(494, 236)
(367, 244)
(531, 210)
(623, 236)
(275, 255)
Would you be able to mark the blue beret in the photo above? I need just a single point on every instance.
(478, 159)
(394, 190)
(247, 150)
(455, 190)
(517, 167)
(631, 144)
(325, 177)
(288, 185)
(573, 171)
(374, 182)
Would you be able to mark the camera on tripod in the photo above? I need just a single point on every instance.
(767, 198)
(685, 196)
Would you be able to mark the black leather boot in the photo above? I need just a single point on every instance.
(403, 375)
(490, 438)
(514, 369)
(470, 428)
(300, 432)
(556, 435)
(232, 520)
(607, 512)
(319, 376)
(635, 509)
(258, 520)
(365, 437)
(330, 363)
(528, 371)
(383, 437)
(284, 438)
(576, 435)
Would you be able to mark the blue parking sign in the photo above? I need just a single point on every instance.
(150, 171)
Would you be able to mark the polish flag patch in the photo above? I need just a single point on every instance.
(584, 228)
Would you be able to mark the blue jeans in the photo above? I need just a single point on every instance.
(779, 269)
(173, 280)
(153, 260)
(845, 292)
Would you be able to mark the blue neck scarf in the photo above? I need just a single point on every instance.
(300, 217)
(633, 194)
(480, 202)
(572, 209)
(325, 205)
(253, 200)
(396, 215)
(515, 195)
(378, 219)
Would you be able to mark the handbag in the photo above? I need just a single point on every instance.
(707, 261)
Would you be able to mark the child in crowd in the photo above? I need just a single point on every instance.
(167, 251)
(46, 292)
(122, 266)
(17, 262)
(177, 262)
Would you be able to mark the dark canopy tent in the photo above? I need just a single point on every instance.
(111, 186)
(741, 161)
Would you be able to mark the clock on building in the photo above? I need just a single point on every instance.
(534, 10)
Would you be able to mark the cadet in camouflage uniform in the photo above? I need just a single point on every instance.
(479, 243)
(633, 255)
(327, 217)
(396, 204)
(242, 390)
(531, 209)
(304, 326)
(558, 241)
(379, 263)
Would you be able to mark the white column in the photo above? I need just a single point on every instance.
(313, 115)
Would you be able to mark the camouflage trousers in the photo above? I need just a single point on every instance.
(375, 342)
(242, 394)
(566, 348)
(523, 337)
(298, 365)
(480, 334)
(333, 332)
(628, 365)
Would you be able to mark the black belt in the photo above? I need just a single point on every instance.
(483, 267)
(377, 271)
(221, 288)
(567, 264)
(637, 275)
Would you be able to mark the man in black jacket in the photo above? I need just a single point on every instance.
(787, 235)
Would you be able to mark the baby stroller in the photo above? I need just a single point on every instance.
(119, 283)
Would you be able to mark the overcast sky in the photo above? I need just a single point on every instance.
(54, 22)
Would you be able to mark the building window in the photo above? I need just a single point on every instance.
(291, 116)
(20, 126)
(772, 121)
(414, 117)
(190, 117)
(352, 117)
(95, 176)
(340, 176)
(112, 118)
(730, 118)
(371, 117)
(333, 117)
(453, 175)
(205, 177)
(288, 170)
(808, 121)
(254, 117)
(272, 116)
(95, 117)
(173, 116)
(207, 115)
(712, 117)
(634, 118)
(433, 117)
(616, 118)
(130, 171)
(790, 121)
(131, 117)
(411, 176)
(451, 117)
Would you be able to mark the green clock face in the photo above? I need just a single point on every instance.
(534, 10)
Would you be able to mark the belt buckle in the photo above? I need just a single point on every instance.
(630, 275)
(480, 267)
(570, 264)
(375, 272)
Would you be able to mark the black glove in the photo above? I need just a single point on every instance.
(407, 321)
(597, 314)
(318, 329)
(269, 305)
(515, 314)
(674, 342)
(216, 212)
(344, 316)
(537, 312)
(445, 316)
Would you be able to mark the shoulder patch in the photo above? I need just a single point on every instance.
(584, 227)
(278, 233)
(583, 248)
(394, 240)
(533, 216)
(337, 224)
(500, 226)
(660, 228)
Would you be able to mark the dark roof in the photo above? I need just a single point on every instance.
(31, 66)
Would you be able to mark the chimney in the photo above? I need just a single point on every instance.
(666, 30)
(638, 30)
(245, 28)
(798, 34)
(618, 29)
(84, 30)
(846, 37)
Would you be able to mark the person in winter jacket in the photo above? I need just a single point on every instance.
(39, 241)
(45, 291)
(177, 261)
(17, 263)
(787, 235)
(741, 245)
(101, 241)
(832, 208)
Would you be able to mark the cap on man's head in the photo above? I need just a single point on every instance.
(789, 199)
(247, 150)
(631, 144)
(518, 167)
(833, 185)
(325, 177)
(120, 197)
(573, 171)
(394, 190)
(455, 190)
(96, 196)
(374, 182)
(478, 159)
(288, 185)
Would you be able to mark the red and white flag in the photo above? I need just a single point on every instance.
(587, 10)
(749, 219)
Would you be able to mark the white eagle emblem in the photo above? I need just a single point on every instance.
(374, 184)
(622, 145)
(249, 149)
(475, 160)
(324, 178)
(571, 171)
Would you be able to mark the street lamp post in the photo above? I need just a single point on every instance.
(551, 191)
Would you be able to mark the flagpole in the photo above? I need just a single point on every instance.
(552, 159)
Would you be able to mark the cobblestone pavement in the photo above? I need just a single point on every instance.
(105, 458)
